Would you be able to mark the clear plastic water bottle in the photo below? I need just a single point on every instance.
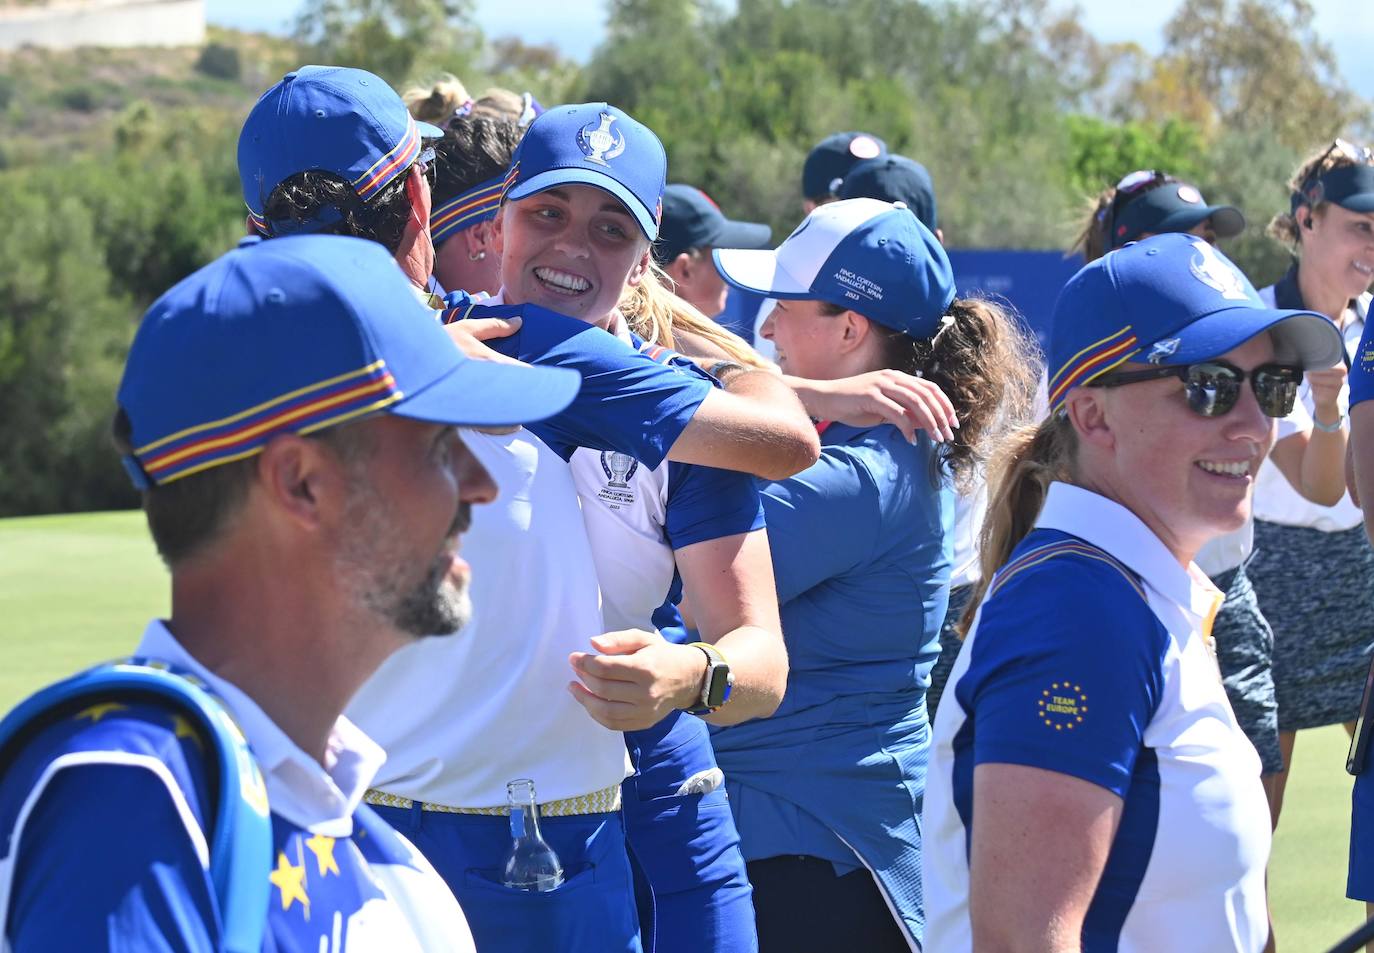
(532, 864)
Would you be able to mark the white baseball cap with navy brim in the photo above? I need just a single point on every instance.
(872, 257)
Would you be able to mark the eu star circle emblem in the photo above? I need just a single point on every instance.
(1063, 705)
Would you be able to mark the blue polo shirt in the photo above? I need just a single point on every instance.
(1090, 657)
(1362, 368)
(861, 554)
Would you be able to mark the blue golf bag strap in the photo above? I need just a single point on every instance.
(240, 838)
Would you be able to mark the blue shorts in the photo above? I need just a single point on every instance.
(686, 846)
(593, 911)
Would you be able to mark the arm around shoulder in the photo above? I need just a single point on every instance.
(756, 425)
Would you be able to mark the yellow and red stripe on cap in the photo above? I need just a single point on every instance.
(304, 410)
(1094, 360)
(512, 176)
(260, 223)
(386, 168)
(466, 209)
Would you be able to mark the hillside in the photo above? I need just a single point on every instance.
(55, 103)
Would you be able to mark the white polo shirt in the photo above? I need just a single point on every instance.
(1275, 499)
(1089, 659)
(461, 715)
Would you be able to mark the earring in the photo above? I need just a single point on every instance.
(477, 257)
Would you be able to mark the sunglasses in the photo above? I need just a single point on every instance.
(1213, 387)
(1311, 192)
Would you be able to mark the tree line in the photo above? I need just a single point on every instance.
(1017, 111)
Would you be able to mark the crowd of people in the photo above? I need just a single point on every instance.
(736, 519)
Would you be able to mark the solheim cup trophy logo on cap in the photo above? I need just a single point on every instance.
(1215, 272)
(598, 142)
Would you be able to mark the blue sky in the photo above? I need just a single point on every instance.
(576, 26)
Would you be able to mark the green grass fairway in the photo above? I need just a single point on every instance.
(1311, 848)
(78, 589)
(74, 590)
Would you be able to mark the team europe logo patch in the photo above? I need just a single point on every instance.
(1213, 271)
(1063, 705)
(599, 142)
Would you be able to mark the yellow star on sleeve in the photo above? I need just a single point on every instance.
(183, 728)
(97, 712)
(290, 880)
(323, 849)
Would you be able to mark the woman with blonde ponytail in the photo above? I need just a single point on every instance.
(827, 792)
(1089, 786)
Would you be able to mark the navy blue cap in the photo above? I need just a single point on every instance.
(830, 161)
(1172, 207)
(593, 144)
(871, 257)
(894, 178)
(1170, 299)
(1349, 186)
(691, 219)
(295, 335)
(330, 119)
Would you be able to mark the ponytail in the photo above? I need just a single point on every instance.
(1030, 459)
(1093, 241)
(655, 313)
(439, 102)
(988, 368)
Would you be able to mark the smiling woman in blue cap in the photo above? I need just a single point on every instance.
(827, 792)
(1089, 786)
(1313, 569)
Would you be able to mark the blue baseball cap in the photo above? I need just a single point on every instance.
(1349, 186)
(329, 119)
(691, 219)
(871, 257)
(1171, 299)
(830, 161)
(1172, 206)
(295, 335)
(894, 178)
(593, 144)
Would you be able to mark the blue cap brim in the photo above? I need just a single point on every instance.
(556, 177)
(490, 394)
(1304, 337)
(750, 235)
(1227, 221)
(428, 131)
(1359, 202)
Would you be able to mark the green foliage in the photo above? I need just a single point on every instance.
(62, 338)
(219, 61)
(79, 97)
(387, 37)
(103, 235)
(1104, 151)
(1249, 169)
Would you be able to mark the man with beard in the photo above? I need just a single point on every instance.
(288, 412)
